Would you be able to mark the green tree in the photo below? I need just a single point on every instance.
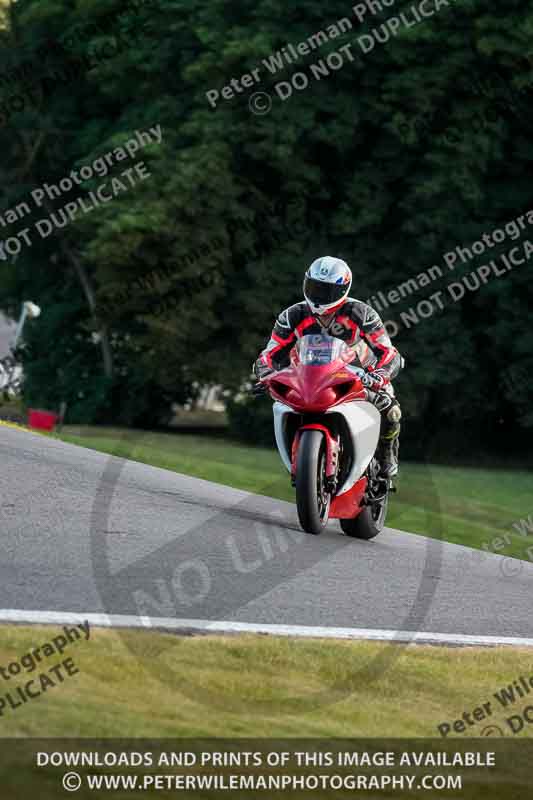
(408, 151)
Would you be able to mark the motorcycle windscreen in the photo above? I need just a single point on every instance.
(319, 349)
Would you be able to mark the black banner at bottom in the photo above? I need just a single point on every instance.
(253, 768)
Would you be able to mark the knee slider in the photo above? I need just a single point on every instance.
(394, 414)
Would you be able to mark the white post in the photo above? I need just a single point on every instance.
(29, 309)
(20, 326)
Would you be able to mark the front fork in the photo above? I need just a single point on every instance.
(332, 455)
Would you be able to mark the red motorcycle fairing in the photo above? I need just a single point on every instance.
(348, 505)
(314, 389)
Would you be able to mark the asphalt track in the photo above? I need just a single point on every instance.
(86, 533)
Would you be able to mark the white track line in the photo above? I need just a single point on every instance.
(206, 626)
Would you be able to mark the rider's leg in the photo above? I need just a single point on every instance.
(391, 414)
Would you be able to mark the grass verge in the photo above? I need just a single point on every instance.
(151, 684)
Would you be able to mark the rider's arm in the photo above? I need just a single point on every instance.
(388, 360)
(276, 353)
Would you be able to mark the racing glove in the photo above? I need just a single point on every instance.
(375, 381)
(261, 370)
(259, 389)
(379, 378)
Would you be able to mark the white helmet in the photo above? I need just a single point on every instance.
(327, 284)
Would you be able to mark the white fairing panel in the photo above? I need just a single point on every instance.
(364, 423)
(280, 411)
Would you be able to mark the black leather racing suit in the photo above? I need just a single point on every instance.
(360, 327)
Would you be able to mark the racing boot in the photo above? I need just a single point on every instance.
(387, 455)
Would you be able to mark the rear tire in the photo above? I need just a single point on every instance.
(312, 501)
(369, 522)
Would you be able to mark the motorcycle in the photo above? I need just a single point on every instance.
(326, 434)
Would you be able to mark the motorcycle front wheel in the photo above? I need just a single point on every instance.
(312, 499)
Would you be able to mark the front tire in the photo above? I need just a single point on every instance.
(369, 522)
(312, 500)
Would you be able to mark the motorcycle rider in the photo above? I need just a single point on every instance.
(327, 309)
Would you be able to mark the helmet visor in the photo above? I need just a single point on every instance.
(320, 293)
